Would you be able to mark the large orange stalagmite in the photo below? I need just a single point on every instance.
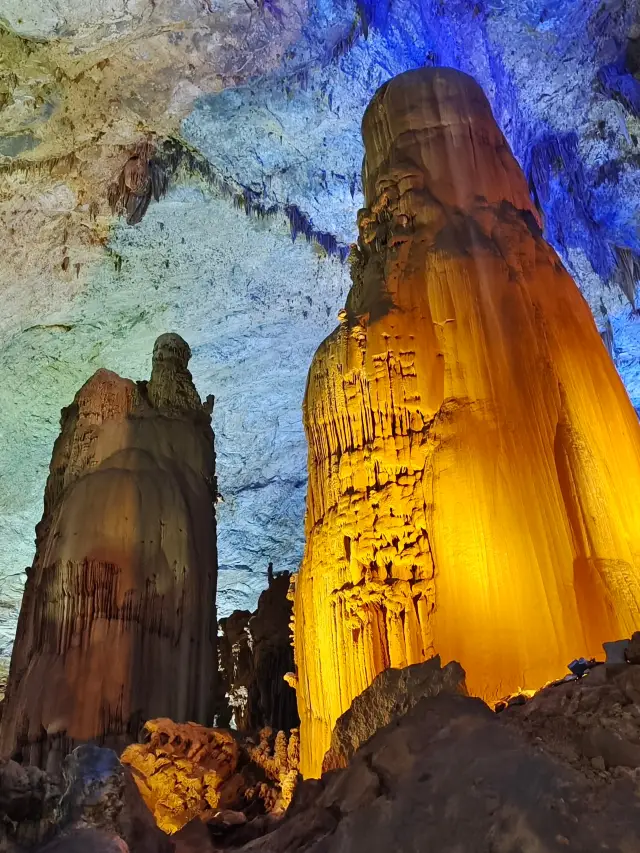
(474, 461)
(118, 620)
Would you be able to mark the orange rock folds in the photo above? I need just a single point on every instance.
(187, 771)
(118, 618)
(182, 769)
(474, 461)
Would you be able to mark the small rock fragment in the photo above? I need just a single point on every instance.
(632, 653)
(615, 651)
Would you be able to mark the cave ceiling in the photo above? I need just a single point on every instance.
(251, 111)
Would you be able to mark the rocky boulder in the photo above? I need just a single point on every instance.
(101, 796)
(27, 803)
(100, 809)
(591, 722)
(448, 776)
(391, 694)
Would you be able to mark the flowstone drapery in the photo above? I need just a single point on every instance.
(474, 461)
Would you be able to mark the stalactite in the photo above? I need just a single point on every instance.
(474, 461)
(118, 619)
(172, 160)
(629, 273)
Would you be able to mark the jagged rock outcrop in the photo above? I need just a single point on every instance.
(389, 696)
(185, 771)
(473, 457)
(235, 650)
(592, 722)
(93, 804)
(255, 655)
(449, 776)
(118, 618)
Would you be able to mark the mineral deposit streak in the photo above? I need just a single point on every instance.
(118, 619)
(474, 461)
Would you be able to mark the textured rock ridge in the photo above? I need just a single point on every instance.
(389, 696)
(118, 619)
(185, 771)
(473, 456)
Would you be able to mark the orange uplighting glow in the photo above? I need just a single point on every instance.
(474, 461)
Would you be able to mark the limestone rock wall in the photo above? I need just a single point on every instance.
(256, 654)
(118, 618)
(473, 457)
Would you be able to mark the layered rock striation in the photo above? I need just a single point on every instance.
(118, 618)
(474, 460)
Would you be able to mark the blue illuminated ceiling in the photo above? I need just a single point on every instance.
(560, 76)
(563, 80)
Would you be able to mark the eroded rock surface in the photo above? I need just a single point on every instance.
(185, 771)
(468, 434)
(389, 696)
(592, 723)
(118, 618)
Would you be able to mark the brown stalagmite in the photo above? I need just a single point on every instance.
(474, 461)
(118, 619)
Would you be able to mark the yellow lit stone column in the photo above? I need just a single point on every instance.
(474, 460)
